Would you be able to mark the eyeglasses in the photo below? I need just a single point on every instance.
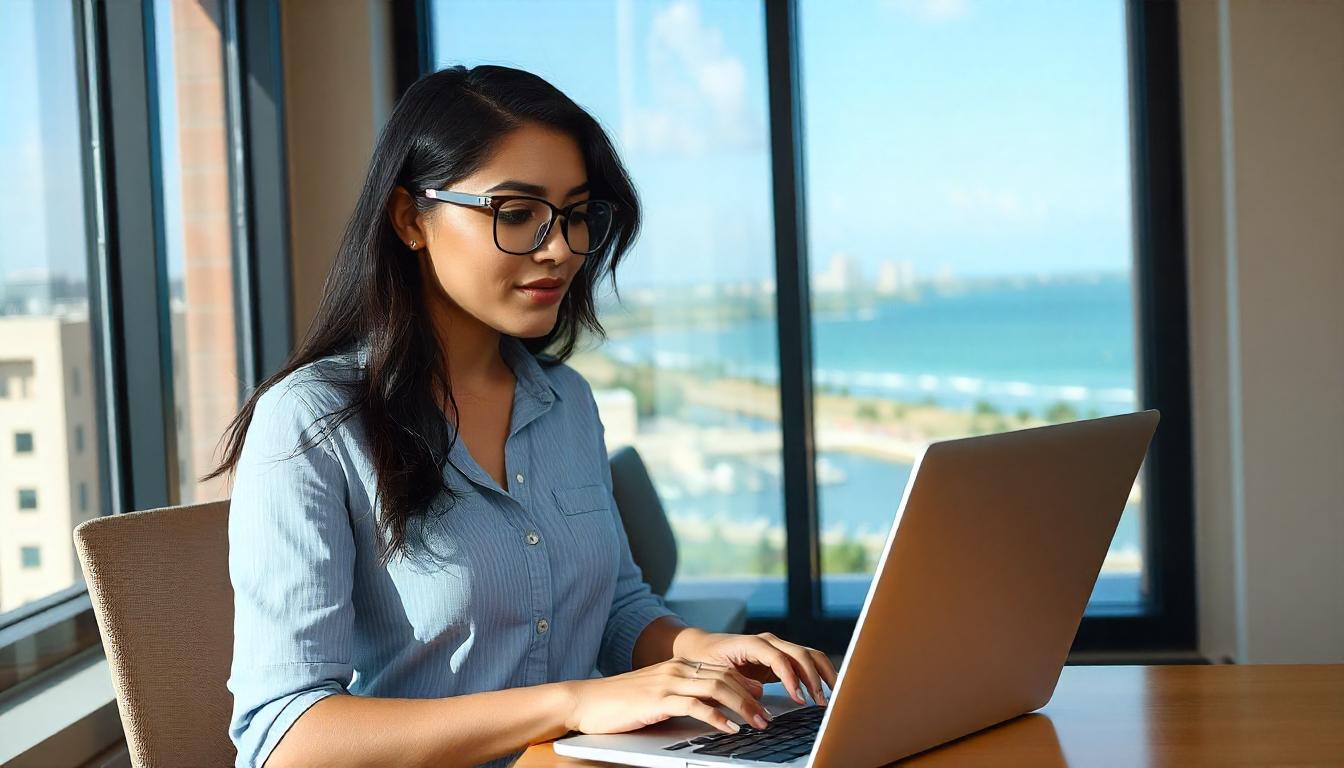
(522, 222)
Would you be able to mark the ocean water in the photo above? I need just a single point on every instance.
(1014, 347)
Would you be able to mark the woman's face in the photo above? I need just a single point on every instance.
(480, 280)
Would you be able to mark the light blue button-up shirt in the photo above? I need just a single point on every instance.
(515, 586)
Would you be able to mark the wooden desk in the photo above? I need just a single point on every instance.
(1137, 716)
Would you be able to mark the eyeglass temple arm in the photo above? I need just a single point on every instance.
(463, 198)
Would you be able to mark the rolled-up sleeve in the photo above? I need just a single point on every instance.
(291, 560)
(633, 605)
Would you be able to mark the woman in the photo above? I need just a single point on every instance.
(422, 511)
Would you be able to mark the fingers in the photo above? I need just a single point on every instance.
(693, 707)
(825, 667)
(754, 687)
(718, 685)
(781, 664)
(804, 663)
(811, 665)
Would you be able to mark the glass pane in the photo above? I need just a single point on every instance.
(46, 392)
(968, 182)
(689, 376)
(199, 238)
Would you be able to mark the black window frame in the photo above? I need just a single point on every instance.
(1168, 626)
(131, 376)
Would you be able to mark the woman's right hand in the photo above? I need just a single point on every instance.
(653, 694)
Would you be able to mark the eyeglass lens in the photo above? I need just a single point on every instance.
(521, 225)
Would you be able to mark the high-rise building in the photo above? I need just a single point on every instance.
(49, 440)
(842, 275)
(896, 277)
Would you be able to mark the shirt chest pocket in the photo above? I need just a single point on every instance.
(587, 513)
(581, 499)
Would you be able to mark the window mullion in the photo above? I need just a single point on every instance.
(793, 316)
(140, 363)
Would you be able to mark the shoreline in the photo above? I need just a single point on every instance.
(862, 425)
(865, 426)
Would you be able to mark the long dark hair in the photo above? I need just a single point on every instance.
(443, 129)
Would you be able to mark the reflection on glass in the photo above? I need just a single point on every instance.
(46, 403)
(968, 178)
(198, 235)
(689, 374)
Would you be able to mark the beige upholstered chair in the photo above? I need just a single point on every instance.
(159, 581)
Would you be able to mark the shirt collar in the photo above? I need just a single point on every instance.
(527, 370)
(524, 364)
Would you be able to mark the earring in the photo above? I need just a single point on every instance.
(414, 243)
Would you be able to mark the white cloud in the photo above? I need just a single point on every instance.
(931, 11)
(698, 89)
(981, 201)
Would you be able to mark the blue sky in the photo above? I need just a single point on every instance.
(41, 222)
(963, 135)
(970, 136)
(37, 60)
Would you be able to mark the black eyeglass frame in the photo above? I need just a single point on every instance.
(494, 202)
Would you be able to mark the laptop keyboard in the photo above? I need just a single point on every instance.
(789, 736)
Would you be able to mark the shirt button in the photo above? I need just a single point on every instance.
(533, 537)
(542, 626)
(519, 478)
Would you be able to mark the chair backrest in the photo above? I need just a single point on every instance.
(159, 582)
(652, 543)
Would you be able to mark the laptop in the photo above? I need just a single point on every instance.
(973, 606)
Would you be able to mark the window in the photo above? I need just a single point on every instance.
(971, 192)
(100, 260)
(689, 375)
(16, 376)
(198, 236)
(30, 558)
(46, 327)
(971, 272)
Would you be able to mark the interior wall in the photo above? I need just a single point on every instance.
(339, 91)
(1263, 91)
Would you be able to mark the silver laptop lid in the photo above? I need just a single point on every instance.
(982, 584)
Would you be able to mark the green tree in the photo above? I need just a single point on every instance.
(848, 556)
(1060, 411)
(766, 559)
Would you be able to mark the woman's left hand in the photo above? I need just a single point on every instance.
(763, 657)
